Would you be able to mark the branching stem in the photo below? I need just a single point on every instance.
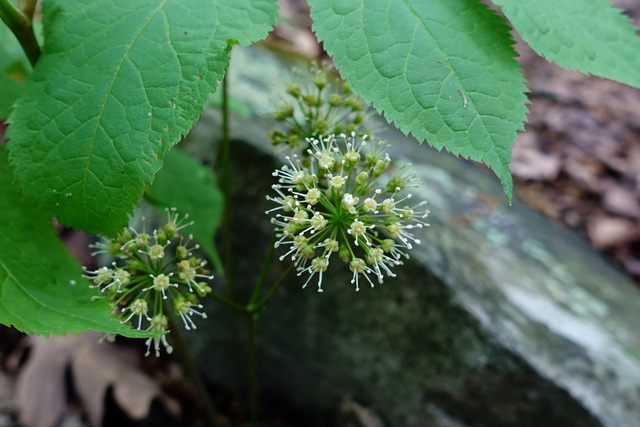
(21, 26)
(190, 367)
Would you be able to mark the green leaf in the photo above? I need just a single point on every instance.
(191, 188)
(41, 288)
(588, 35)
(14, 70)
(118, 84)
(443, 70)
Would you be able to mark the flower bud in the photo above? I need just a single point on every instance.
(293, 89)
(320, 81)
(284, 112)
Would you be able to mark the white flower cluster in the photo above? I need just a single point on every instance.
(335, 200)
(150, 275)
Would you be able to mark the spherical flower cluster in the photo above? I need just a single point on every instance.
(324, 107)
(339, 201)
(155, 267)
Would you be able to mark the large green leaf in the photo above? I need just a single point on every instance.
(191, 188)
(118, 84)
(14, 70)
(588, 35)
(443, 70)
(41, 288)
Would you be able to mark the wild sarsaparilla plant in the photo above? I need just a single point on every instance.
(95, 104)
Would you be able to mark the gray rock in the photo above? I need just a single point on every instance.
(500, 318)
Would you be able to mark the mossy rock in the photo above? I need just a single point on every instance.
(500, 318)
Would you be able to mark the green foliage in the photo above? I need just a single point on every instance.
(118, 84)
(37, 272)
(586, 35)
(188, 186)
(443, 70)
(14, 70)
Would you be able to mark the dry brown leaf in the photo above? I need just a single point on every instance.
(585, 172)
(40, 389)
(535, 165)
(352, 414)
(621, 201)
(607, 232)
(95, 367)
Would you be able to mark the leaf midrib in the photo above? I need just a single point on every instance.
(125, 55)
(454, 73)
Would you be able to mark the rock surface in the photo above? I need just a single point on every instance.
(500, 318)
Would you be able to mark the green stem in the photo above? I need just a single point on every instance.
(22, 28)
(226, 184)
(272, 291)
(29, 8)
(253, 310)
(234, 344)
(191, 369)
(252, 319)
(263, 274)
(229, 303)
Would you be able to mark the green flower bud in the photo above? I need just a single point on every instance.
(124, 237)
(379, 168)
(354, 104)
(284, 112)
(395, 183)
(320, 126)
(203, 289)
(308, 252)
(309, 100)
(293, 89)
(136, 265)
(371, 158)
(320, 81)
(294, 140)
(344, 253)
(113, 248)
(162, 237)
(335, 100)
(362, 178)
(182, 252)
(276, 138)
(387, 245)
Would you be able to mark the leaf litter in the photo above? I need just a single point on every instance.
(95, 368)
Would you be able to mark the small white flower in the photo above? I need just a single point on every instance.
(159, 323)
(101, 276)
(313, 196)
(185, 310)
(318, 222)
(161, 283)
(348, 202)
(138, 308)
(337, 182)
